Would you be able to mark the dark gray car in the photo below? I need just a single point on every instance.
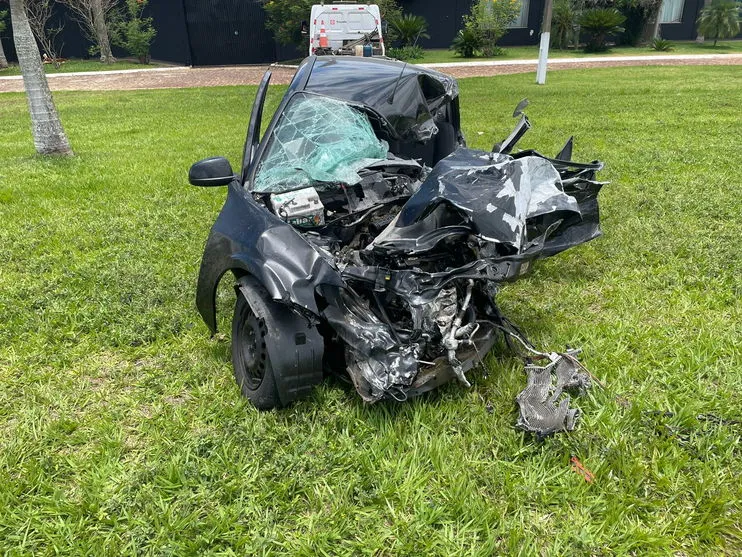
(366, 239)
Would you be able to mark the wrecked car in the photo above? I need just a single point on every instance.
(366, 239)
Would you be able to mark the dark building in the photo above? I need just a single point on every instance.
(220, 32)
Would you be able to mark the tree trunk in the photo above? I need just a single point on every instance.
(101, 31)
(48, 135)
(652, 26)
(3, 59)
(656, 30)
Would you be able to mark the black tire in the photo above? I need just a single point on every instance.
(250, 359)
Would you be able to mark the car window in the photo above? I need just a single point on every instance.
(318, 141)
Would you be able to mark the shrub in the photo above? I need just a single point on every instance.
(490, 20)
(414, 52)
(598, 23)
(564, 22)
(467, 43)
(133, 32)
(409, 28)
(662, 45)
(720, 20)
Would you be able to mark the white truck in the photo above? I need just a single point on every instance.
(337, 29)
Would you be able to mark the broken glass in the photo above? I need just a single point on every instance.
(318, 140)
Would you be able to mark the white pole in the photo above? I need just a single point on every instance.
(543, 49)
(543, 58)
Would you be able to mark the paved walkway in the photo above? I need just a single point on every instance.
(177, 77)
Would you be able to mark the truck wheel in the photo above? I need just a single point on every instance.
(250, 360)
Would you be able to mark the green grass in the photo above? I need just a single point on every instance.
(73, 65)
(122, 431)
(531, 52)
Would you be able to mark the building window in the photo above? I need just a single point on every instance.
(671, 11)
(522, 19)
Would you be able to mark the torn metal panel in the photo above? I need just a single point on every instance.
(377, 362)
(544, 404)
(496, 193)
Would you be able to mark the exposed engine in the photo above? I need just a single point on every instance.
(422, 257)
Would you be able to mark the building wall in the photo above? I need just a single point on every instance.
(445, 19)
(528, 35)
(172, 42)
(686, 29)
(218, 32)
(228, 32)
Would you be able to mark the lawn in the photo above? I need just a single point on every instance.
(434, 56)
(74, 65)
(123, 431)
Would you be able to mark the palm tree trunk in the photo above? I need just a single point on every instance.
(101, 31)
(3, 59)
(48, 135)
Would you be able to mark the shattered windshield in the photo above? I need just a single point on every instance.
(318, 140)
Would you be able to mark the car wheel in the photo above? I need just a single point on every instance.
(250, 359)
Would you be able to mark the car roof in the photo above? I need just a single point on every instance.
(403, 94)
(335, 73)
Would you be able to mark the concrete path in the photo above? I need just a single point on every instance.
(178, 77)
(586, 59)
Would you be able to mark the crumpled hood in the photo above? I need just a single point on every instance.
(497, 193)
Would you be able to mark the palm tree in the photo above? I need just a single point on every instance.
(719, 20)
(48, 135)
(409, 28)
(699, 36)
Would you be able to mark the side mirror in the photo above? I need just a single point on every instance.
(520, 108)
(215, 171)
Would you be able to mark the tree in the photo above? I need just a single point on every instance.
(652, 27)
(134, 32)
(3, 59)
(642, 20)
(699, 37)
(39, 13)
(720, 20)
(490, 19)
(93, 17)
(48, 135)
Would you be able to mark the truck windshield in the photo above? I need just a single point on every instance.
(317, 141)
